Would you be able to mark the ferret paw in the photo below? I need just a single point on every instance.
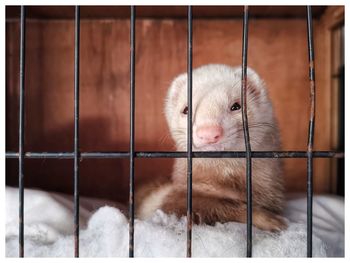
(197, 219)
(268, 221)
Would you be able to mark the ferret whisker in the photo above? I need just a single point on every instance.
(164, 138)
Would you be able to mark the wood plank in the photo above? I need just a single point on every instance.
(99, 12)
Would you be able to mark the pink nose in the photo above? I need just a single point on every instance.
(210, 134)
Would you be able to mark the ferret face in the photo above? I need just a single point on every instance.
(216, 109)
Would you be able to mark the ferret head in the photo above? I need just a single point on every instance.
(216, 109)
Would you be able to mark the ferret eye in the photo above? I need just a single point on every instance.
(185, 111)
(235, 106)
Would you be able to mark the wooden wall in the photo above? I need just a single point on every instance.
(277, 51)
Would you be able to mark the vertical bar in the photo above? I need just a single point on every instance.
(189, 132)
(311, 131)
(132, 131)
(76, 129)
(22, 51)
(246, 130)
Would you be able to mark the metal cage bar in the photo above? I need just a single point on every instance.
(209, 154)
(246, 130)
(22, 54)
(76, 129)
(132, 132)
(189, 132)
(310, 144)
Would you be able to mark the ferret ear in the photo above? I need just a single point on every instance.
(255, 85)
(175, 88)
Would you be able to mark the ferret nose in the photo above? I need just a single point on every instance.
(210, 134)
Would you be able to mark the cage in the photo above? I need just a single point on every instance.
(277, 51)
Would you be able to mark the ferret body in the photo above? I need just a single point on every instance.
(219, 185)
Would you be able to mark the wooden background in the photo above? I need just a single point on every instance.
(277, 51)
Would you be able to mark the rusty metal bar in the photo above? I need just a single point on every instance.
(132, 132)
(225, 154)
(310, 144)
(22, 54)
(76, 129)
(246, 130)
(189, 131)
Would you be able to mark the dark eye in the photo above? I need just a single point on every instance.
(185, 111)
(235, 106)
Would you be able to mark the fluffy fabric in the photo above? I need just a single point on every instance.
(48, 232)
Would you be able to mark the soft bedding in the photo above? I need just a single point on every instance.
(48, 230)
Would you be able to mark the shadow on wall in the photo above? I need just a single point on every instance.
(103, 178)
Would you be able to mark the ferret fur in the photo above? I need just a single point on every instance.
(219, 184)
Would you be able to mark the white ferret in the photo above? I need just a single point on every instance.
(219, 192)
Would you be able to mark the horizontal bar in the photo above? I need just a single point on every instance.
(226, 154)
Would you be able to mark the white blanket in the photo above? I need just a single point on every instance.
(48, 230)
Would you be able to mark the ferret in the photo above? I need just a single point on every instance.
(219, 184)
